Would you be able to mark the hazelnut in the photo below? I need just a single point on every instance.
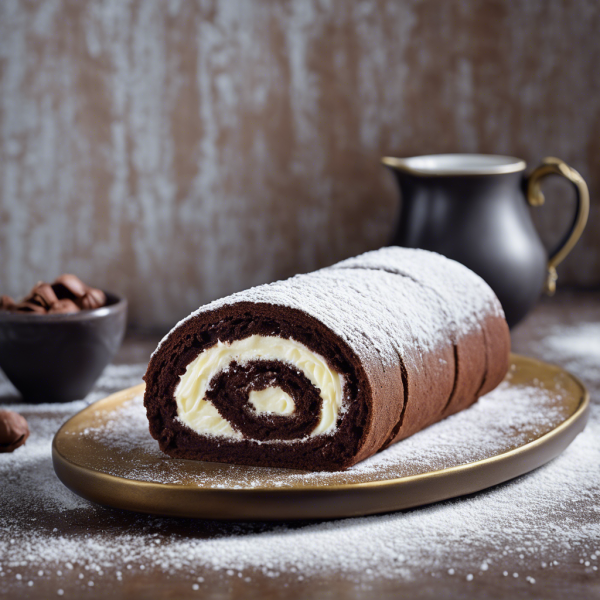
(68, 294)
(93, 298)
(7, 303)
(31, 307)
(69, 286)
(42, 294)
(63, 306)
(14, 430)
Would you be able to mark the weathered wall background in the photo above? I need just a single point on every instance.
(177, 151)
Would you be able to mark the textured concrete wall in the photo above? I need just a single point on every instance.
(178, 151)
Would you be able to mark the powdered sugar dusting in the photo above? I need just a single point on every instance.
(465, 295)
(578, 348)
(544, 523)
(413, 313)
(27, 476)
(507, 417)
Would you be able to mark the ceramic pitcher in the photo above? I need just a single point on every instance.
(473, 208)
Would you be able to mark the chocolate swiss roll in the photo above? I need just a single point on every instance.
(320, 371)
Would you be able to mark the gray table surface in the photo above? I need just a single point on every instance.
(572, 577)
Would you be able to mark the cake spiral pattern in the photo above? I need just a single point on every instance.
(322, 370)
(228, 388)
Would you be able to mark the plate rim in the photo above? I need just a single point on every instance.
(574, 424)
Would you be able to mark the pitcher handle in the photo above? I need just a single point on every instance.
(535, 197)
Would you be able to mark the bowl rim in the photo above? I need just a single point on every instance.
(119, 304)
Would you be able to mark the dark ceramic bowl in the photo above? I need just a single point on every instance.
(58, 358)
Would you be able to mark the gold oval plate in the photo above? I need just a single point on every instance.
(105, 454)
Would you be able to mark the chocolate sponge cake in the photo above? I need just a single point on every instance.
(322, 370)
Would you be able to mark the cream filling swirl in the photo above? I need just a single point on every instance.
(200, 414)
(272, 401)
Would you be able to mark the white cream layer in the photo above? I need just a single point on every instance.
(272, 401)
(200, 415)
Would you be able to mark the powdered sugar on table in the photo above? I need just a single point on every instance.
(50, 537)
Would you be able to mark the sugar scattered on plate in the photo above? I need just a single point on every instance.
(500, 421)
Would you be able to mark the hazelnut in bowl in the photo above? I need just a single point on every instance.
(56, 342)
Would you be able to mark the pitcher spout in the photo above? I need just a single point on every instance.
(394, 163)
